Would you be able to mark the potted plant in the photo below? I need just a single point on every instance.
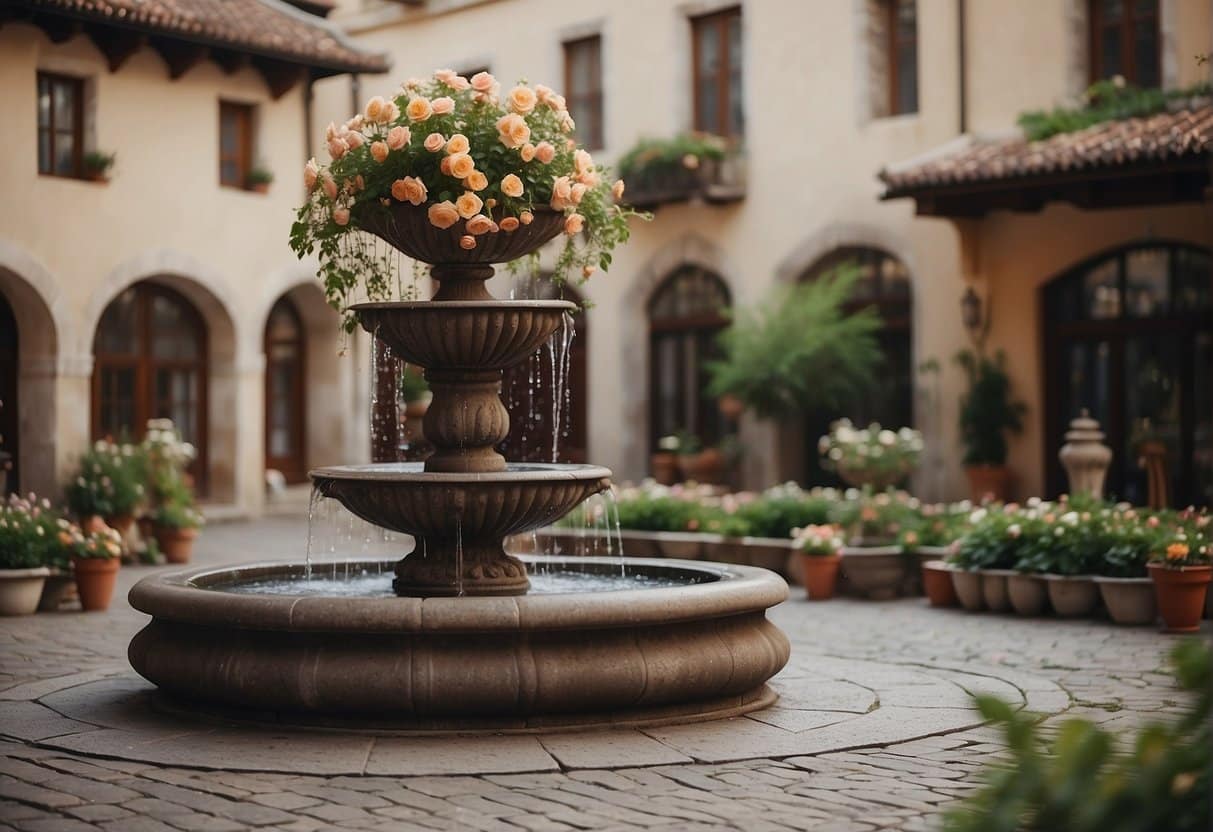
(259, 179)
(987, 554)
(109, 485)
(97, 165)
(929, 540)
(821, 552)
(1181, 573)
(177, 523)
(664, 463)
(871, 559)
(987, 412)
(28, 533)
(96, 558)
(1123, 580)
(871, 456)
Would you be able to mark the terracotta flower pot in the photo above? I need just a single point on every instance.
(1181, 595)
(95, 579)
(664, 465)
(1027, 593)
(994, 589)
(60, 587)
(1072, 596)
(937, 583)
(177, 545)
(1129, 600)
(876, 571)
(989, 482)
(820, 575)
(968, 589)
(20, 590)
(121, 523)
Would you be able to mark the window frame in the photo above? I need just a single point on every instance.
(246, 119)
(719, 20)
(77, 132)
(1128, 38)
(293, 467)
(894, 45)
(593, 97)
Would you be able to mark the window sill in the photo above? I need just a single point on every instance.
(248, 189)
(91, 180)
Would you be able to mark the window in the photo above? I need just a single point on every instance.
(10, 365)
(583, 88)
(1125, 41)
(149, 362)
(60, 125)
(284, 391)
(1130, 339)
(686, 313)
(716, 61)
(902, 28)
(235, 144)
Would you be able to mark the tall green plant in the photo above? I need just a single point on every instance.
(799, 350)
(987, 410)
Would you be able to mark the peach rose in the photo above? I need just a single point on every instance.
(567, 125)
(445, 165)
(476, 181)
(556, 102)
(341, 216)
(490, 203)
(337, 148)
(419, 109)
(543, 93)
(522, 99)
(356, 184)
(577, 192)
(573, 224)
(468, 205)
(479, 224)
(582, 161)
(513, 130)
(353, 140)
(461, 165)
(589, 178)
(545, 152)
(509, 223)
(483, 82)
(588, 270)
(330, 187)
(526, 218)
(443, 214)
(398, 137)
(511, 185)
(458, 143)
(452, 79)
(410, 189)
(355, 123)
(434, 142)
(617, 190)
(527, 152)
(467, 242)
(562, 193)
(311, 172)
(379, 151)
(375, 109)
(443, 106)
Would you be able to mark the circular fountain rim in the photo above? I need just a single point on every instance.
(177, 596)
(463, 305)
(414, 472)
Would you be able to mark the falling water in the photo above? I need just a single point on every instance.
(560, 349)
(614, 529)
(311, 530)
(459, 557)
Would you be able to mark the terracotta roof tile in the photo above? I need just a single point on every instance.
(1164, 137)
(270, 28)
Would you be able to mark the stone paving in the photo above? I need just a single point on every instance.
(902, 667)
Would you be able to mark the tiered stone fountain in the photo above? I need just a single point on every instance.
(464, 637)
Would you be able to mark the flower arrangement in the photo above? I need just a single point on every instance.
(477, 161)
(167, 455)
(873, 455)
(820, 541)
(177, 513)
(875, 519)
(110, 482)
(34, 534)
(1188, 541)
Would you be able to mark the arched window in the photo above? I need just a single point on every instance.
(884, 285)
(1129, 337)
(284, 391)
(686, 313)
(9, 421)
(149, 362)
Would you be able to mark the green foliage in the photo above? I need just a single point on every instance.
(1104, 100)
(177, 513)
(413, 385)
(110, 481)
(1089, 780)
(97, 162)
(987, 410)
(873, 456)
(875, 519)
(799, 350)
(651, 159)
(29, 534)
(661, 514)
(259, 176)
(778, 515)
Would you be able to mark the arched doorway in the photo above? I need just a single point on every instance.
(150, 362)
(9, 406)
(1129, 337)
(686, 313)
(285, 357)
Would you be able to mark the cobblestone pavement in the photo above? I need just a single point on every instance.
(1110, 674)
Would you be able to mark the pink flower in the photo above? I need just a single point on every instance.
(398, 137)
(526, 218)
(527, 152)
(341, 215)
(445, 105)
(330, 187)
(617, 190)
(379, 151)
(562, 193)
(452, 79)
(543, 93)
(479, 224)
(410, 189)
(476, 181)
(419, 109)
(445, 165)
(509, 223)
(522, 99)
(468, 205)
(577, 192)
(375, 109)
(467, 242)
(443, 214)
(573, 224)
(582, 161)
(513, 131)
(588, 270)
(311, 172)
(545, 153)
(354, 140)
(461, 165)
(458, 143)
(337, 148)
(434, 142)
(511, 185)
(483, 82)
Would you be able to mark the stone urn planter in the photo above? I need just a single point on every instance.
(177, 545)
(60, 587)
(937, 583)
(95, 579)
(875, 571)
(1027, 593)
(820, 575)
(664, 466)
(989, 482)
(1072, 596)
(967, 584)
(994, 589)
(21, 589)
(1129, 600)
(1180, 592)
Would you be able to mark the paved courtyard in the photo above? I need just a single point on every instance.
(873, 731)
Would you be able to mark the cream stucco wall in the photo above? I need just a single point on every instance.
(68, 247)
(813, 154)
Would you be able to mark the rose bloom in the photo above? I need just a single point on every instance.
(527, 152)
(588, 270)
(617, 189)
(311, 171)
(330, 187)
(434, 142)
(353, 140)
(341, 216)
(545, 152)
(443, 214)
(557, 102)
(391, 112)
(452, 79)
(379, 151)
(589, 178)
(562, 193)
(509, 223)
(511, 185)
(398, 137)
(543, 93)
(467, 242)
(479, 224)
(526, 218)
(513, 130)
(573, 224)
(461, 165)
(458, 143)
(409, 189)
(375, 108)
(445, 165)
(483, 82)
(567, 125)
(337, 148)
(476, 181)
(418, 109)
(468, 205)
(582, 161)
(522, 99)
(443, 106)
(577, 192)
(355, 122)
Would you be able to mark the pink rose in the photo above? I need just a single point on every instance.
(337, 148)
(461, 165)
(452, 79)
(354, 140)
(443, 214)
(458, 143)
(545, 153)
(509, 223)
(522, 99)
(573, 224)
(562, 193)
(398, 137)
(617, 190)
(511, 185)
(476, 181)
(467, 242)
(483, 82)
(556, 102)
(479, 224)
(468, 205)
(577, 192)
(543, 93)
(410, 189)
(582, 161)
(526, 218)
(588, 270)
(445, 165)
(589, 178)
(419, 109)
(527, 152)
(341, 216)
(434, 142)
(375, 109)
(379, 151)
(311, 172)
(513, 131)
(330, 187)
(442, 106)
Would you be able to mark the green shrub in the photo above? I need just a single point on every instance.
(1105, 100)
(777, 515)
(110, 481)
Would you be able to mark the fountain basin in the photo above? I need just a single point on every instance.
(624, 653)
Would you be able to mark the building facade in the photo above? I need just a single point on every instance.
(820, 97)
(163, 286)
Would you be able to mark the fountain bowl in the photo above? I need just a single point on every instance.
(695, 650)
